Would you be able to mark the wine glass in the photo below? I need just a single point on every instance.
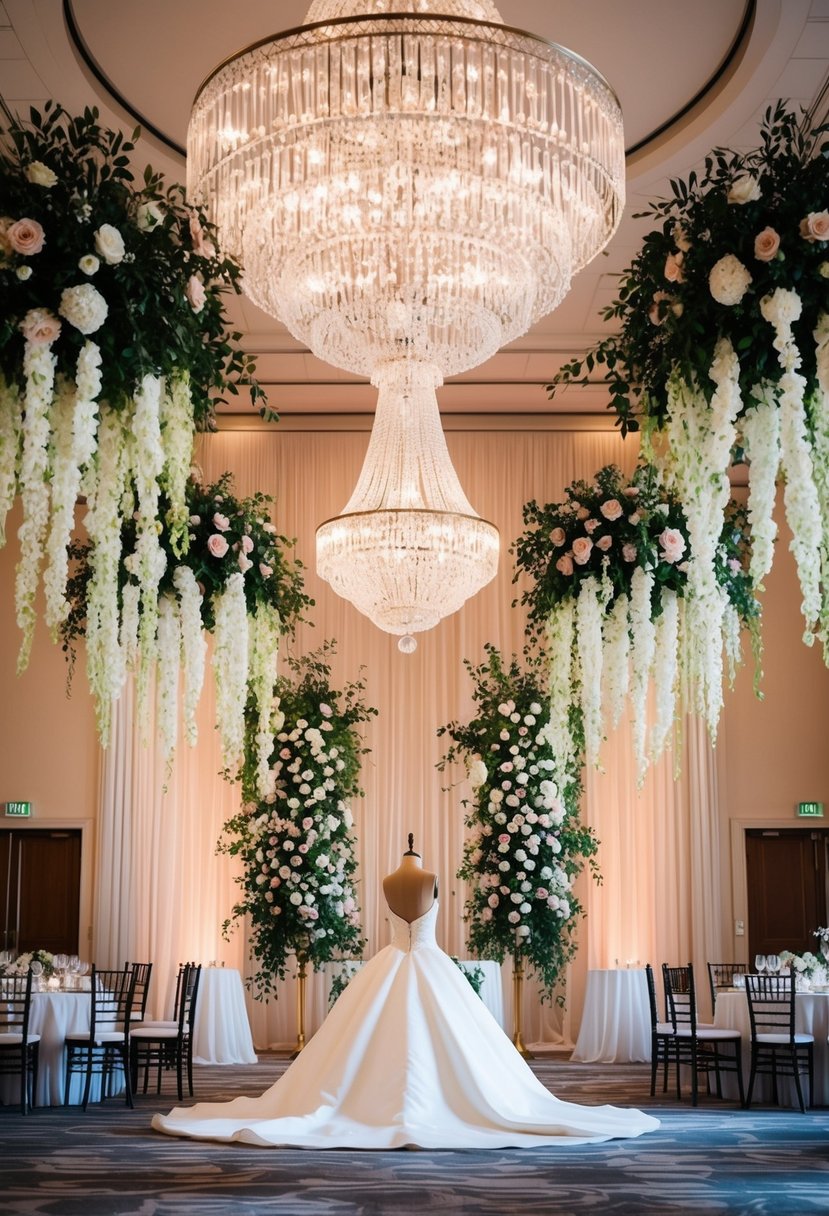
(772, 963)
(759, 963)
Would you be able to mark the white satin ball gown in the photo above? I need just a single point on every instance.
(408, 1056)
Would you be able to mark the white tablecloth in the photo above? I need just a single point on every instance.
(615, 1023)
(492, 989)
(811, 1017)
(221, 1032)
(55, 1015)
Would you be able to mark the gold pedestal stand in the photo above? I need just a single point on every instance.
(300, 1006)
(517, 1007)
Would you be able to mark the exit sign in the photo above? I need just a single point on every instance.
(18, 810)
(810, 810)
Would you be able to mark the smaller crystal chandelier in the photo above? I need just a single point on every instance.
(408, 549)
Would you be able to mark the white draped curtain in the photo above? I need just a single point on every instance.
(163, 893)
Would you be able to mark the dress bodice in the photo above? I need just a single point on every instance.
(410, 935)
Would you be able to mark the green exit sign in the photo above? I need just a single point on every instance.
(19, 810)
(810, 810)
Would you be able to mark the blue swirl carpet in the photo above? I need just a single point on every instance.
(715, 1159)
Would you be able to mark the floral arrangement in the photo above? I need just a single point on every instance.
(525, 845)
(41, 958)
(723, 350)
(233, 579)
(113, 337)
(610, 575)
(297, 844)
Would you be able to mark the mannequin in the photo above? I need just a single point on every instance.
(410, 890)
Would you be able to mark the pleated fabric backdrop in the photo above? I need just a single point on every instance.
(163, 893)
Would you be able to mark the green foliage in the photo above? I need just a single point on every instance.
(151, 325)
(297, 845)
(526, 844)
(672, 326)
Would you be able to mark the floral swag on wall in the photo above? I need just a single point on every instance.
(610, 570)
(297, 842)
(723, 355)
(112, 336)
(525, 845)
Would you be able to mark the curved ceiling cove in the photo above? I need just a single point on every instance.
(152, 57)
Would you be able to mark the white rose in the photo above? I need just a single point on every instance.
(744, 189)
(88, 263)
(477, 774)
(148, 215)
(729, 280)
(110, 244)
(41, 175)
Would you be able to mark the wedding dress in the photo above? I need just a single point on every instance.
(408, 1056)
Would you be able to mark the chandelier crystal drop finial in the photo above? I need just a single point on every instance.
(408, 183)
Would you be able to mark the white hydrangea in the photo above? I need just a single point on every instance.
(83, 307)
(729, 280)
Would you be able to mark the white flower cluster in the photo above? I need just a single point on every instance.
(39, 367)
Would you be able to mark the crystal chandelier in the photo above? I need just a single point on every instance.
(407, 191)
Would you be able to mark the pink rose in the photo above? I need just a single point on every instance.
(40, 327)
(493, 900)
(541, 893)
(815, 227)
(247, 544)
(673, 268)
(217, 545)
(503, 838)
(582, 513)
(672, 543)
(582, 548)
(631, 491)
(604, 543)
(558, 537)
(201, 245)
(629, 553)
(611, 509)
(196, 295)
(244, 563)
(221, 522)
(590, 525)
(656, 312)
(265, 570)
(766, 245)
(25, 236)
(564, 565)
(486, 913)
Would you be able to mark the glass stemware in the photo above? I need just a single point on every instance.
(759, 963)
(772, 963)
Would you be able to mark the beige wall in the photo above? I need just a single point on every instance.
(773, 753)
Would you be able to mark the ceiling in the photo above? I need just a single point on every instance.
(686, 84)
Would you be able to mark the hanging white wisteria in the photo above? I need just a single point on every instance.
(611, 592)
(234, 580)
(113, 342)
(722, 320)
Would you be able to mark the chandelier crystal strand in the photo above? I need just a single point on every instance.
(413, 185)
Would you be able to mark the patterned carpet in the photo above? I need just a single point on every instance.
(716, 1159)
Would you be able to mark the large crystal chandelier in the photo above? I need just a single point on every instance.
(407, 191)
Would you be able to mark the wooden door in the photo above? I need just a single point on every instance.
(40, 888)
(787, 874)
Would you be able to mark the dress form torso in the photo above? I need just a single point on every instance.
(410, 890)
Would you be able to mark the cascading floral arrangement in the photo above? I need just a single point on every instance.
(113, 335)
(297, 843)
(526, 844)
(610, 570)
(235, 580)
(723, 353)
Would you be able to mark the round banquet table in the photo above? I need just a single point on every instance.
(221, 1032)
(615, 1023)
(54, 1015)
(811, 1017)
